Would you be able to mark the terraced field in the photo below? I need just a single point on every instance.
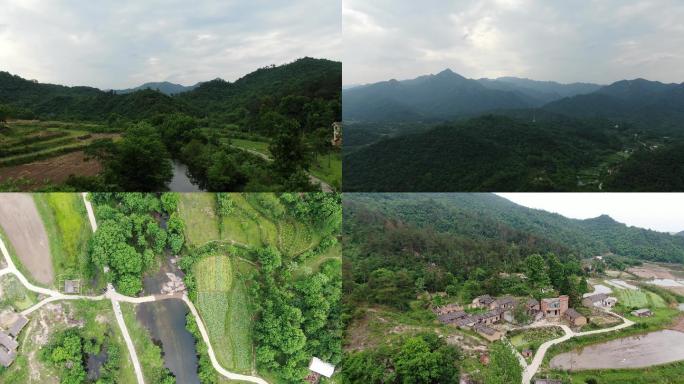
(639, 298)
(28, 147)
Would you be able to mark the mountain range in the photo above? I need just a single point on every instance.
(490, 217)
(448, 95)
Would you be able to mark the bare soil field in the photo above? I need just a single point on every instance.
(652, 271)
(24, 227)
(54, 170)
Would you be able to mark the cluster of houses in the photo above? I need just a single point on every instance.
(8, 340)
(498, 309)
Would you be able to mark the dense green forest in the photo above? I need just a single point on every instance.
(289, 108)
(425, 135)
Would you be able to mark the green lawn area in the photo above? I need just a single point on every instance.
(534, 337)
(258, 146)
(69, 232)
(149, 354)
(329, 169)
(639, 298)
(225, 310)
(198, 211)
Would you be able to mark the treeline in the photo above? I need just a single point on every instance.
(129, 239)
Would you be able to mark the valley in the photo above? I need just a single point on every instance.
(446, 133)
(489, 291)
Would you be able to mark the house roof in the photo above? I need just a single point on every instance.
(7, 341)
(485, 299)
(642, 310)
(597, 297)
(466, 320)
(6, 358)
(505, 300)
(573, 314)
(532, 302)
(18, 325)
(485, 329)
(447, 317)
(319, 366)
(490, 314)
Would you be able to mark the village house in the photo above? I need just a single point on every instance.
(319, 368)
(600, 300)
(491, 317)
(451, 317)
(8, 349)
(643, 312)
(505, 303)
(17, 326)
(484, 301)
(447, 309)
(488, 333)
(575, 318)
(554, 307)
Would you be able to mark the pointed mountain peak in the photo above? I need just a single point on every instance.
(449, 73)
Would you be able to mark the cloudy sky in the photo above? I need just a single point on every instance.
(124, 43)
(598, 41)
(658, 211)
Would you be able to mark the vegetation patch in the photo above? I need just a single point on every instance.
(198, 211)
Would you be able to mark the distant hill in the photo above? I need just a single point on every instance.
(306, 77)
(491, 218)
(650, 104)
(540, 92)
(164, 87)
(488, 153)
(443, 96)
(680, 234)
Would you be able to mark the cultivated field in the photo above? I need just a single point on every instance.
(23, 225)
(198, 211)
(34, 154)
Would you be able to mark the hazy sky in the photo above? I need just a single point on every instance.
(658, 211)
(124, 43)
(598, 41)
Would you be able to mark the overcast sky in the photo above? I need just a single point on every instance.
(599, 41)
(124, 43)
(658, 211)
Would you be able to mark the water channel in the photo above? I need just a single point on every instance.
(166, 322)
(180, 181)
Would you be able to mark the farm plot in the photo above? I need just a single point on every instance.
(639, 298)
(198, 211)
(69, 232)
(295, 237)
(248, 226)
(13, 293)
(224, 308)
(26, 233)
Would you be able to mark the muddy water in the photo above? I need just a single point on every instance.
(94, 363)
(166, 322)
(642, 351)
(181, 182)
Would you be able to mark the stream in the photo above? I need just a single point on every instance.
(180, 181)
(166, 322)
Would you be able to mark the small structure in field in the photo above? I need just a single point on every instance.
(600, 300)
(72, 286)
(336, 140)
(575, 318)
(527, 353)
(319, 368)
(643, 312)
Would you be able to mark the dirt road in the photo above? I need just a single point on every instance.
(24, 227)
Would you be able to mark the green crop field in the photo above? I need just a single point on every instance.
(246, 225)
(65, 221)
(258, 146)
(224, 308)
(295, 237)
(639, 298)
(198, 211)
(13, 293)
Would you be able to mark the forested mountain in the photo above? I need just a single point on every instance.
(164, 87)
(476, 229)
(488, 153)
(307, 77)
(445, 95)
(650, 104)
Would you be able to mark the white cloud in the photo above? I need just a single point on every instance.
(119, 44)
(593, 40)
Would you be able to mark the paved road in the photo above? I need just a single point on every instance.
(115, 298)
(325, 187)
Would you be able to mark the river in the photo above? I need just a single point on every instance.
(653, 348)
(166, 322)
(180, 181)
